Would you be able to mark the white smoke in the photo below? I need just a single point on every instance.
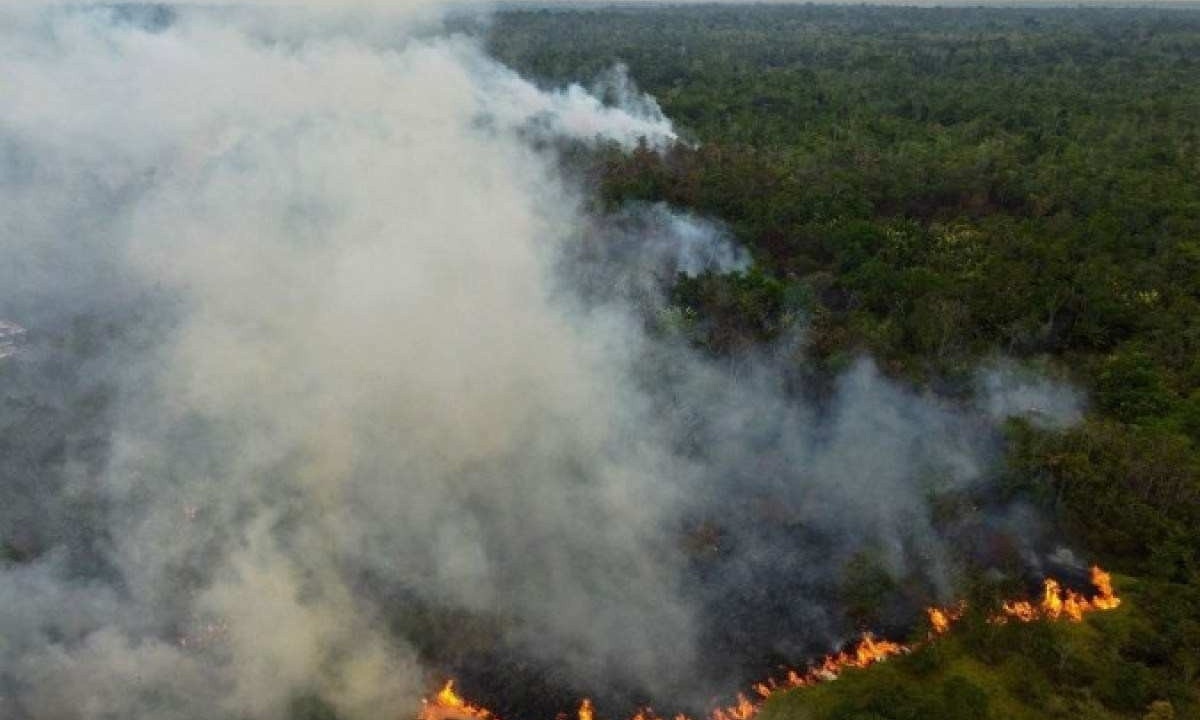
(364, 374)
(327, 271)
(576, 112)
(11, 337)
(632, 256)
(686, 243)
(1006, 390)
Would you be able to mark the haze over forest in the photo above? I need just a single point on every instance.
(636, 353)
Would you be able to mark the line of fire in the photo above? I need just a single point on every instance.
(1057, 603)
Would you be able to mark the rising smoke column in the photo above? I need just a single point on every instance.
(356, 368)
(344, 369)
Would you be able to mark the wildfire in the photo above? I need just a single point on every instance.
(941, 618)
(868, 651)
(1062, 603)
(1056, 603)
(448, 705)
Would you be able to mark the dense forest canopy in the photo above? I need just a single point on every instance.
(935, 186)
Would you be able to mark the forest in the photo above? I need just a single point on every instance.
(418, 360)
(933, 187)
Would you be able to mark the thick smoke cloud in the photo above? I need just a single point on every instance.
(316, 334)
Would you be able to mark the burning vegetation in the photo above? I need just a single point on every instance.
(1057, 603)
(449, 704)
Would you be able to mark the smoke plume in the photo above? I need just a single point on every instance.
(317, 339)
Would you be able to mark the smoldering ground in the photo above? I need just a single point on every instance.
(323, 353)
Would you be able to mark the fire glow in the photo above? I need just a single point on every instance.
(448, 704)
(1056, 603)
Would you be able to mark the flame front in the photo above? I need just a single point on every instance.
(1060, 603)
(1105, 598)
(1056, 603)
(448, 697)
(449, 705)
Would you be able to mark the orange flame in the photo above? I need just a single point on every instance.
(1056, 603)
(448, 705)
(939, 620)
(1105, 599)
(1059, 603)
(868, 651)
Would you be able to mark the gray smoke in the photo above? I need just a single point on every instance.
(307, 351)
(12, 336)
(1009, 390)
